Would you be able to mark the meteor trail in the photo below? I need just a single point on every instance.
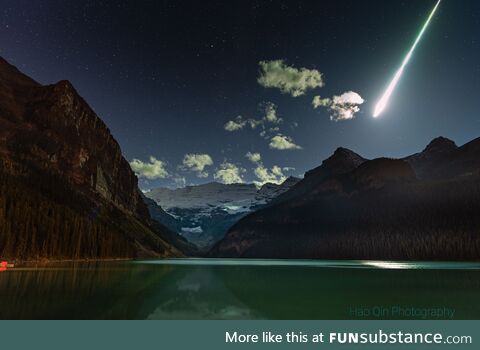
(386, 96)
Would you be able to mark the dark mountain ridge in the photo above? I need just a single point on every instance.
(422, 207)
(342, 161)
(442, 159)
(66, 190)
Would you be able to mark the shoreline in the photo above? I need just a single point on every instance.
(46, 261)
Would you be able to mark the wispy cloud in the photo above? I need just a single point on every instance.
(197, 162)
(342, 107)
(229, 173)
(288, 79)
(153, 169)
(270, 115)
(282, 142)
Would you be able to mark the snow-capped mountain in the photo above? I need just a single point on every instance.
(209, 195)
(205, 212)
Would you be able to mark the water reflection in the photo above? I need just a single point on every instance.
(202, 290)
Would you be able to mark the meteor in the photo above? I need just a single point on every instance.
(386, 96)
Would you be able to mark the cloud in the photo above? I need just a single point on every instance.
(254, 157)
(274, 175)
(264, 175)
(271, 113)
(253, 123)
(197, 163)
(152, 170)
(282, 142)
(234, 125)
(270, 116)
(321, 102)
(239, 123)
(343, 107)
(349, 97)
(229, 173)
(288, 79)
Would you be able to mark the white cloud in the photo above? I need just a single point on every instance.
(239, 123)
(152, 170)
(282, 142)
(197, 163)
(229, 173)
(271, 113)
(254, 157)
(234, 125)
(277, 171)
(290, 80)
(274, 175)
(343, 107)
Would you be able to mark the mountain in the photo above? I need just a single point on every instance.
(442, 159)
(168, 227)
(270, 191)
(203, 213)
(342, 161)
(207, 195)
(422, 207)
(66, 192)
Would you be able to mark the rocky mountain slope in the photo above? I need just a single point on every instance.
(442, 159)
(423, 207)
(205, 212)
(65, 189)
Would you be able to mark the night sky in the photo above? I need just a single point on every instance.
(167, 77)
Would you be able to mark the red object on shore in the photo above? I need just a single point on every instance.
(3, 266)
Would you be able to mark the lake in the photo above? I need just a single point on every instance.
(241, 289)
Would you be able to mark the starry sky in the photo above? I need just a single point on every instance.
(189, 89)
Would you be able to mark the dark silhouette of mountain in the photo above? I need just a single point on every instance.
(423, 207)
(342, 161)
(270, 191)
(65, 189)
(442, 159)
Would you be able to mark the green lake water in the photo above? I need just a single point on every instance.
(241, 289)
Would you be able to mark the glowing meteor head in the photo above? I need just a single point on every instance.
(379, 108)
(386, 96)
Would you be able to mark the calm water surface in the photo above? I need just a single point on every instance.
(241, 289)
